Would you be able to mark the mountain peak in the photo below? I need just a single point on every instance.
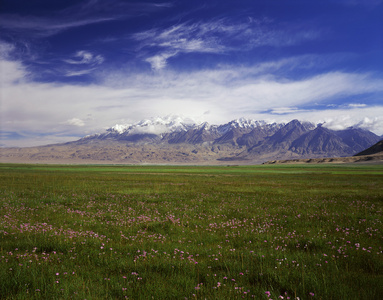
(155, 125)
(246, 123)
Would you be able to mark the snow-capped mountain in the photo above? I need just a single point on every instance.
(174, 139)
(156, 125)
(176, 129)
(173, 123)
(252, 137)
(241, 123)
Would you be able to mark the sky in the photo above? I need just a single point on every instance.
(73, 68)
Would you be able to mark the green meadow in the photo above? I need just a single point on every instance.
(190, 232)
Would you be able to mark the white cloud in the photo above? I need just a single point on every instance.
(354, 105)
(285, 110)
(75, 122)
(271, 93)
(11, 71)
(48, 109)
(369, 118)
(159, 61)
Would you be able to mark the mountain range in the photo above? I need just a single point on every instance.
(177, 140)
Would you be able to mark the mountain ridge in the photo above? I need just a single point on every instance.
(177, 140)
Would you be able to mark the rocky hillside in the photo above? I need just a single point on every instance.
(373, 150)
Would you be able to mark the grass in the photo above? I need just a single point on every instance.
(167, 232)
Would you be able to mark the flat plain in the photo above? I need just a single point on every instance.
(191, 232)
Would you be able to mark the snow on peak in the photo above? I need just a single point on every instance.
(120, 128)
(246, 123)
(175, 123)
(156, 125)
(241, 123)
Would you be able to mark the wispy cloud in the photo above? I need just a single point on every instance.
(81, 14)
(285, 110)
(82, 63)
(71, 73)
(218, 36)
(85, 57)
(43, 26)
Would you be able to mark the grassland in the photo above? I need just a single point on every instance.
(149, 232)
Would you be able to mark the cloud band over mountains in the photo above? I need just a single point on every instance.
(82, 68)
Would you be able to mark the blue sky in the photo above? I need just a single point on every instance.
(73, 68)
